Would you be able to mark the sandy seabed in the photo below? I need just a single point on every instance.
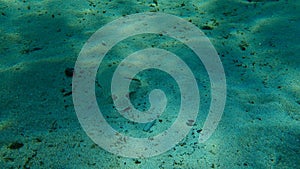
(257, 41)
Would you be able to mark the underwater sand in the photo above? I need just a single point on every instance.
(258, 44)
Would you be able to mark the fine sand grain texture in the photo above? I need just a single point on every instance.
(257, 41)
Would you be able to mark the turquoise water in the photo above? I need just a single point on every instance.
(256, 41)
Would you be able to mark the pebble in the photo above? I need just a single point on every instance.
(15, 145)
(69, 72)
